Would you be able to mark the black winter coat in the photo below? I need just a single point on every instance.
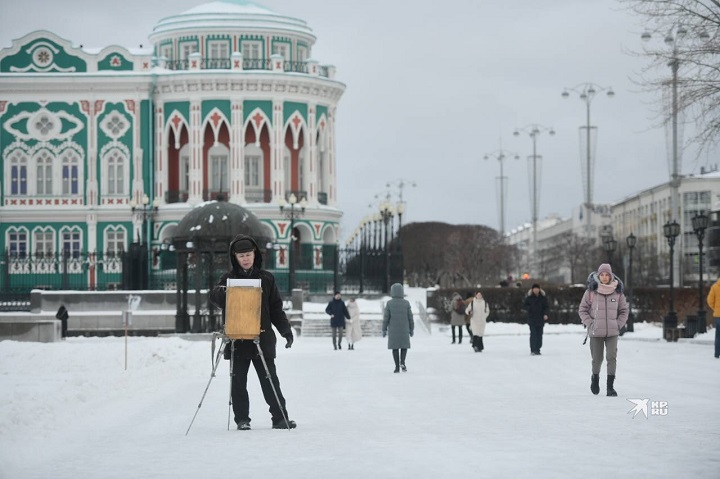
(536, 307)
(337, 309)
(271, 314)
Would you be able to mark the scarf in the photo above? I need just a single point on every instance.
(607, 288)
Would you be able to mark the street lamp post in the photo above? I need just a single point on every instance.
(671, 232)
(587, 92)
(500, 156)
(533, 131)
(631, 242)
(386, 213)
(610, 246)
(673, 38)
(145, 211)
(700, 224)
(291, 213)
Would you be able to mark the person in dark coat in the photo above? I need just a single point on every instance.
(62, 315)
(246, 263)
(398, 325)
(536, 305)
(338, 314)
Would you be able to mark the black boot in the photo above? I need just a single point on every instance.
(610, 381)
(595, 383)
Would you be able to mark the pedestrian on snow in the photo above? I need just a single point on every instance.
(478, 312)
(457, 316)
(713, 300)
(62, 315)
(398, 326)
(246, 263)
(353, 330)
(536, 305)
(604, 311)
(338, 314)
(468, 301)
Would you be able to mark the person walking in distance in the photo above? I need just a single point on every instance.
(353, 329)
(457, 316)
(246, 263)
(478, 312)
(713, 300)
(338, 314)
(536, 305)
(398, 325)
(604, 311)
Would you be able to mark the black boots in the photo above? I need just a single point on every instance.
(595, 383)
(610, 381)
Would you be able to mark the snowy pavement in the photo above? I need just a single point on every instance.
(70, 410)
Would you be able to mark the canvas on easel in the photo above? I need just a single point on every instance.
(243, 304)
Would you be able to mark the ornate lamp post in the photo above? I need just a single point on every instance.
(501, 156)
(387, 211)
(610, 246)
(631, 242)
(700, 224)
(671, 232)
(291, 213)
(587, 92)
(533, 131)
(144, 211)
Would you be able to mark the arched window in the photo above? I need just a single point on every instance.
(44, 242)
(115, 240)
(184, 168)
(17, 242)
(253, 173)
(18, 173)
(44, 174)
(218, 165)
(70, 173)
(116, 175)
(71, 239)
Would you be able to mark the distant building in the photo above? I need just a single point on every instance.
(227, 102)
(643, 214)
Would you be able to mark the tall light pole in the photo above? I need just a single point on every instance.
(587, 92)
(533, 131)
(501, 156)
(144, 211)
(700, 224)
(671, 232)
(631, 242)
(674, 37)
(292, 213)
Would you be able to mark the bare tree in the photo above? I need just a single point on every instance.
(691, 26)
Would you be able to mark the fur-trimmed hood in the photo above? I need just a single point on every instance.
(530, 293)
(593, 281)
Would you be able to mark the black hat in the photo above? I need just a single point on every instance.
(535, 285)
(243, 246)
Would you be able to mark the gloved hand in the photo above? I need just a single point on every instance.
(411, 334)
(289, 338)
(384, 333)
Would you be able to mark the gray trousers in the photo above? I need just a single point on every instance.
(337, 334)
(597, 347)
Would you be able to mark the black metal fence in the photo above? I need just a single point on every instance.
(352, 270)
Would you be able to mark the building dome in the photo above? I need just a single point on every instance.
(212, 225)
(230, 16)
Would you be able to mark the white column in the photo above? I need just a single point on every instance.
(196, 169)
(237, 153)
(277, 176)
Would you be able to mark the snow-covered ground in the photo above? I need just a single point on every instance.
(71, 410)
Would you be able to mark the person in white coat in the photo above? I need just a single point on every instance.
(353, 329)
(478, 311)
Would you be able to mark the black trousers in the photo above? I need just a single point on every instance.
(239, 394)
(536, 332)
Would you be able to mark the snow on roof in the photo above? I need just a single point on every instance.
(230, 6)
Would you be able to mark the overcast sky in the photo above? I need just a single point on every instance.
(433, 86)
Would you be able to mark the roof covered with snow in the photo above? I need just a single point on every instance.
(230, 16)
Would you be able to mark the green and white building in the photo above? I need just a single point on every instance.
(104, 147)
